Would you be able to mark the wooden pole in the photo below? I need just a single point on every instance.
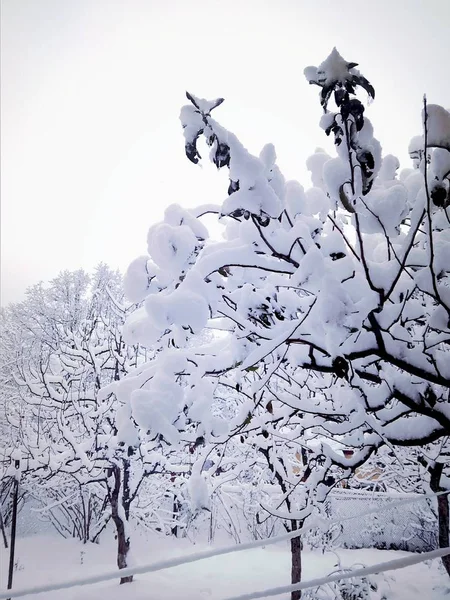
(13, 526)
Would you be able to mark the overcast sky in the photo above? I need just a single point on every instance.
(92, 150)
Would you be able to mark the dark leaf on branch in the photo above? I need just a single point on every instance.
(349, 87)
(325, 94)
(337, 255)
(216, 103)
(366, 158)
(204, 107)
(367, 187)
(200, 441)
(233, 187)
(263, 220)
(367, 163)
(346, 203)
(430, 396)
(338, 132)
(192, 99)
(340, 96)
(191, 149)
(355, 108)
(248, 418)
(329, 129)
(340, 367)
(440, 196)
(362, 81)
(222, 156)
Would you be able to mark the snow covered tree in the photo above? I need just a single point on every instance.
(331, 305)
(419, 469)
(65, 344)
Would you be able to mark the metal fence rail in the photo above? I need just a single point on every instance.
(322, 523)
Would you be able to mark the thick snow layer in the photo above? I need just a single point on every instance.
(258, 198)
(440, 163)
(315, 164)
(216, 578)
(388, 170)
(333, 68)
(385, 207)
(183, 307)
(171, 246)
(336, 171)
(438, 126)
(176, 215)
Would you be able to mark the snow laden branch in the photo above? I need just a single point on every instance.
(340, 291)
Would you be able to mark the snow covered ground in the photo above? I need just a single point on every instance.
(49, 558)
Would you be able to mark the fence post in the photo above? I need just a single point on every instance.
(13, 524)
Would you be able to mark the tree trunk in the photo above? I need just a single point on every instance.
(443, 511)
(296, 543)
(123, 547)
(175, 510)
(118, 516)
(2, 527)
(296, 562)
(443, 524)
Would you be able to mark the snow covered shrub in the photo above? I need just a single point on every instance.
(355, 588)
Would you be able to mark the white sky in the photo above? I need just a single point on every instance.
(92, 150)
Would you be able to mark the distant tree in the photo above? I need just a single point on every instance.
(64, 345)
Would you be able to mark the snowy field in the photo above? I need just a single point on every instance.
(48, 558)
